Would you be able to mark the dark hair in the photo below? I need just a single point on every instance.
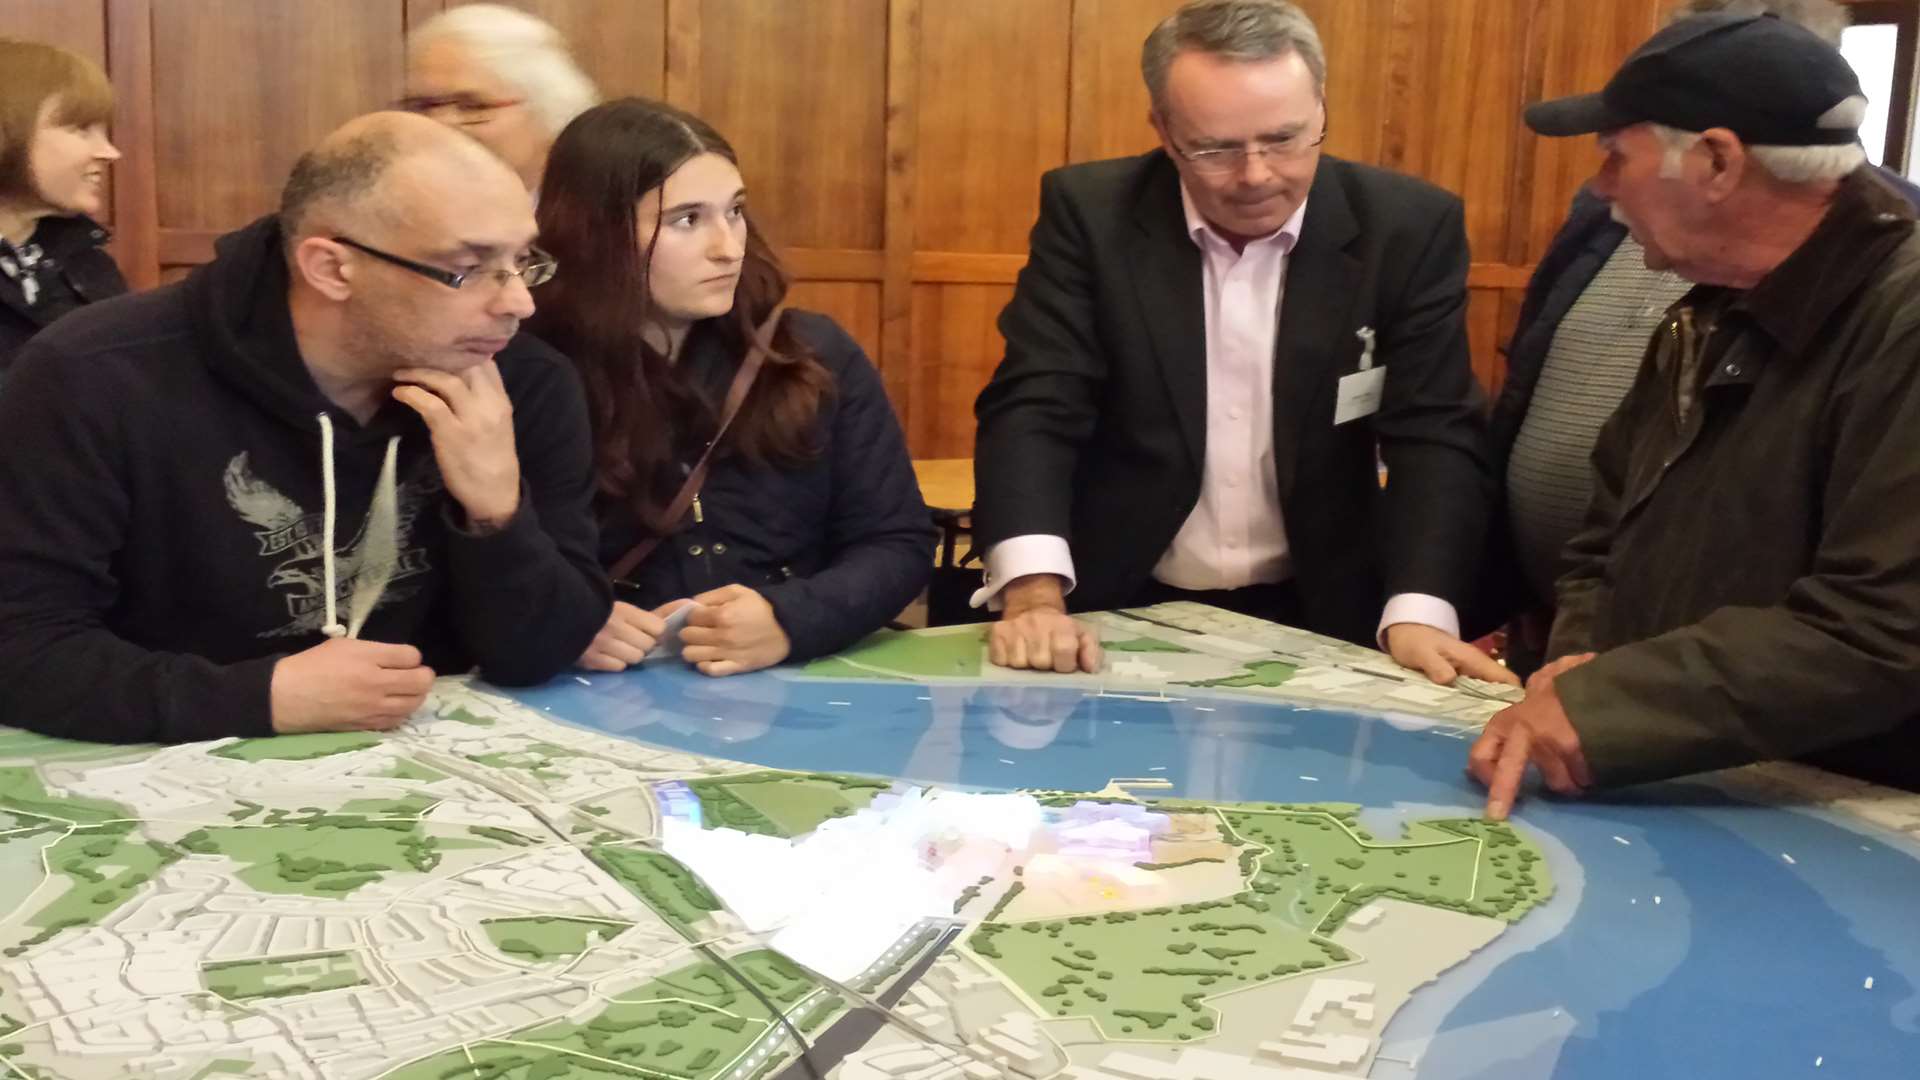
(643, 408)
(340, 174)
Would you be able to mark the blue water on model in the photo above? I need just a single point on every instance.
(1748, 966)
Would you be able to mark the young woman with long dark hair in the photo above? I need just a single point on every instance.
(807, 530)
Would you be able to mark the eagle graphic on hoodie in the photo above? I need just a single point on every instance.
(293, 537)
(171, 478)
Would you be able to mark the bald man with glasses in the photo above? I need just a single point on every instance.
(1212, 350)
(285, 493)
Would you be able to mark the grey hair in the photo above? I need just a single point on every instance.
(1824, 17)
(524, 51)
(334, 180)
(1787, 164)
(1244, 30)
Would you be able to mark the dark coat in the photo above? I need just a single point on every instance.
(1751, 576)
(1094, 426)
(838, 546)
(75, 269)
(1582, 246)
(161, 503)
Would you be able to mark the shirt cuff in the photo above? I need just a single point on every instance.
(1018, 556)
(1413, 607)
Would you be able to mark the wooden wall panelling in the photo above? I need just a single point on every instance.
(1580, 43)
(1358, 36)
(1485, 335)
(1510, 304)
(853, 304)
(968, 267)
(993, 117)
(1513, 248)
(806, 109)
(1107, 99)
(1453, 111)
(620, 44)
(415, 12)
(957, 347)
(79, 25)
(834, 264)
(136, 208)
(683, 54)
(227, 133)
(1451, 115)
(896, 356)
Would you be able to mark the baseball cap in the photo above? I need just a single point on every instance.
(1767, 80)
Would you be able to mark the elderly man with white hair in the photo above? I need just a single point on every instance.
(1747, 586)
(1590, 306)
(500, 75)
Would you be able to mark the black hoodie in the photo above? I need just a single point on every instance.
(160, 516)
(74, 270)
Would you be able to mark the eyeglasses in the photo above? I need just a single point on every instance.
(467, 109)
(1221, 161)
(535, 268)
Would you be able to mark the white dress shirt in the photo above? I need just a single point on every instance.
(1236, 534)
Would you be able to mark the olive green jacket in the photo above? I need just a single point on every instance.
(1750, 573)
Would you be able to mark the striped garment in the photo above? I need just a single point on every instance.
(1589, 368)
(21, 266)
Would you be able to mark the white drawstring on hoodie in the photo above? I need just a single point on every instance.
(379, 539)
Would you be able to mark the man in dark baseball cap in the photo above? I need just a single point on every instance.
(1725, 108)
(1769, 81)
(1748, 580)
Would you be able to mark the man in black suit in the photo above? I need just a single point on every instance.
(1212, 349)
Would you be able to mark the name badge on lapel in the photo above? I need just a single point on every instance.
(1360, 392)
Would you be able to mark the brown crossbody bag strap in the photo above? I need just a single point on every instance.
(757, 351)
